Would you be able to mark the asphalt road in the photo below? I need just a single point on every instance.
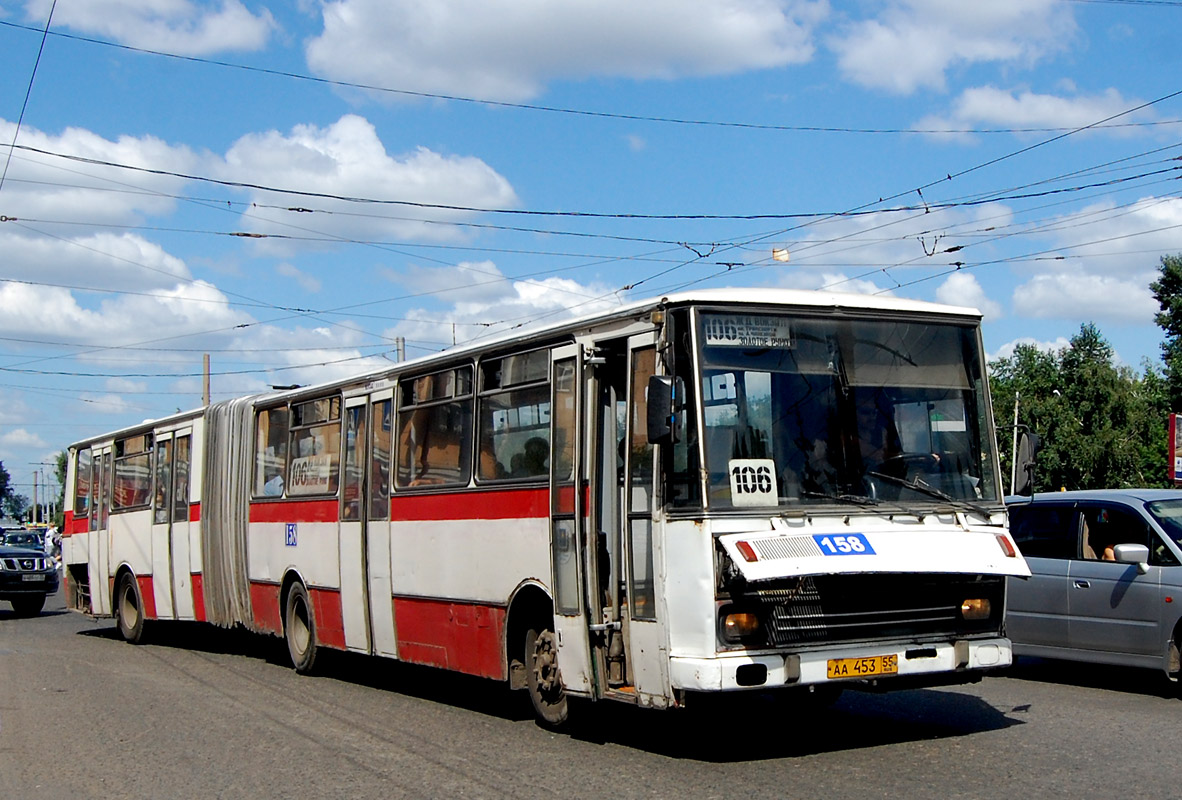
(204, 712)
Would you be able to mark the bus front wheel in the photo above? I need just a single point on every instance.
(300, 629)
(543, 678)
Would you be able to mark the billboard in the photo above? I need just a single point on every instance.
(1175, 450)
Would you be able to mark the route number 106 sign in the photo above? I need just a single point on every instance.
(753, 482)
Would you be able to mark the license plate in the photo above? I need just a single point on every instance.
(862, 667)
(30, 578)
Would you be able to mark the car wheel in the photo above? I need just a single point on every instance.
(28, 606)
(129, 609)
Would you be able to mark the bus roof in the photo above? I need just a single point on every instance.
(749, 297)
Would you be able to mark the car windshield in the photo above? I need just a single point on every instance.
(23, 540)
(807, 410)
(1168, 514)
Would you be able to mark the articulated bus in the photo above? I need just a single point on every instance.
(720, 491)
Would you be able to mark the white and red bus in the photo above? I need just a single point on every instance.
(716, 491)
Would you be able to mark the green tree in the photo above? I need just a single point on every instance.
(16, 505)
(61, 460)
(1167, 290)
(1101, 425)
(5, 489)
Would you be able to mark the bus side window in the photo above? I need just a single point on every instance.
(82, 481)
(435, 430)
(270, 452)
(515, 417)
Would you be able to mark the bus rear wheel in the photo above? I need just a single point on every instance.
(129, 609)
(300, 629)
(543, 678)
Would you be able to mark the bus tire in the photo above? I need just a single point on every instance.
(299, 628)
(129, 609)
(551, 706)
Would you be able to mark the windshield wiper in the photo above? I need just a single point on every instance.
(855, 499)
(931, 491)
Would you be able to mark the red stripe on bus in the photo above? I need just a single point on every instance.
(147, 595)
(264, 607)
(197, 581)
(459, 636)
(295, 511)
(330, 621)
(326, 608)
(497, 504)
(194, 512)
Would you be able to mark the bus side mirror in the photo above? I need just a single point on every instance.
(1028, 444)
(665, 395)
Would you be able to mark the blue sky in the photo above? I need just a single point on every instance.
(467, 166)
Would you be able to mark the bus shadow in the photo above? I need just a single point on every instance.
(731, 728)
(759, 727)
(1129, 680)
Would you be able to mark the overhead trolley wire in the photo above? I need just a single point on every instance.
(587, 113)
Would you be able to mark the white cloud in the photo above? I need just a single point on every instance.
(962, 289)
(348, 159)
(481, 303)
(990, 106)
(183, 27)
(1112, 255)
(510, 49)
(1007, 349)
(1072, 296)
(19, 437)
(99, 261)
(50, 189)
(308, 282)
(912, 44)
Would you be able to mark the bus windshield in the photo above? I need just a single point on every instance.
(804, 410)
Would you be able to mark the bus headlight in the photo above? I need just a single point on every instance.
(739, 625)
(975, 608)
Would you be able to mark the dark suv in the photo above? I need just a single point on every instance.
(27, 577)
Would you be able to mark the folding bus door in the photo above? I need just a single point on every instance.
(366, 590)
(568, 536)
(628, 635)
(99, 555)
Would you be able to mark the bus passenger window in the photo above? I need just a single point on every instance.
(82, 481)
(515, 417)
(435, 429)
(315, 447)
(270, 452)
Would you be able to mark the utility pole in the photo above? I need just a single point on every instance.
(205, 379)
(1014, 450)
(400, 347)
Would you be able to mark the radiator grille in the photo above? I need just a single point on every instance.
(840, 608)
(24, 564)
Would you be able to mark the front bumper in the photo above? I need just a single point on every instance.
(20, 584)
(918, 664)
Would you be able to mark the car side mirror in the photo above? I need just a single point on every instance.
(665, 400)
(1132, 554)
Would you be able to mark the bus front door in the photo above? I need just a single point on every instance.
(99, 554)
(628, 639)
(568, 516)
(367, 604)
